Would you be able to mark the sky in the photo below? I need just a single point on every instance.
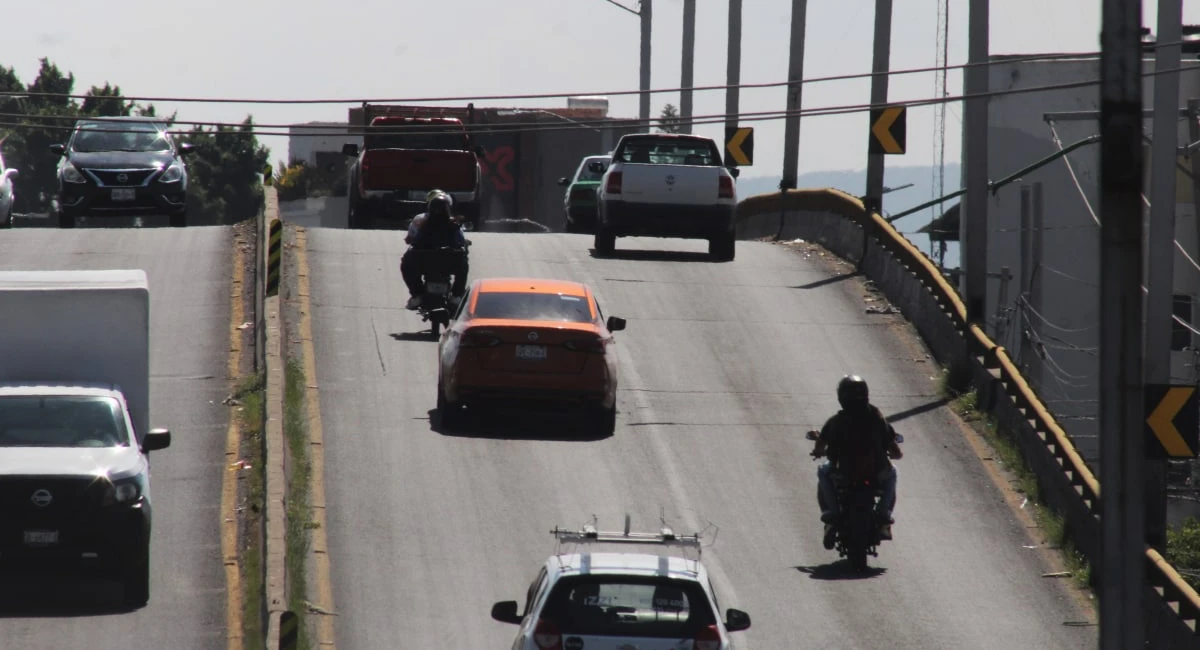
(374, 49)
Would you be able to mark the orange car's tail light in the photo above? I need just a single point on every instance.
(479, 340)
(594, 346)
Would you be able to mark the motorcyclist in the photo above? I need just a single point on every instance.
(431, 230)
(857, 443)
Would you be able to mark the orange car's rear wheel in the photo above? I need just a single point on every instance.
(451, 414)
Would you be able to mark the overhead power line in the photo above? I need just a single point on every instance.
(476, 98)
(237, 128)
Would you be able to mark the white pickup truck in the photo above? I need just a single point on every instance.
(667, 185)
(75, 424)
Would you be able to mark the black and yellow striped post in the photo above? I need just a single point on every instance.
(268, 176)
(289, 631)
(274, 256)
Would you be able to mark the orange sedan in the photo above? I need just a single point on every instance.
(528, 341)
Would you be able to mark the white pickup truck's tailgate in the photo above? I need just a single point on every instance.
(676, 184)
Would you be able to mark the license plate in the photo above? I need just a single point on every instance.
(41, 537)
(124, 194)
(439, 288)
(531, 352)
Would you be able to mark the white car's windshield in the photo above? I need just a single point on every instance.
(61, 421)
(621, 606)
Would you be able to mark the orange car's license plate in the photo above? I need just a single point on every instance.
(531, 352)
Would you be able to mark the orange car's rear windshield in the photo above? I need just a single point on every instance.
(533, 306)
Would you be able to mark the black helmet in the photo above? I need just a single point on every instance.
(439, 205)
(852, 392)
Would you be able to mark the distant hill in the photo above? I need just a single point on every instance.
(855, 181)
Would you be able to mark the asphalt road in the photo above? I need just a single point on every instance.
(189, 272)
(723, 368)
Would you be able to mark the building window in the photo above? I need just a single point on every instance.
(1181, 306)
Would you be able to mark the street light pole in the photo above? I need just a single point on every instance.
(791, 127)
(687, 66)
(644, 11)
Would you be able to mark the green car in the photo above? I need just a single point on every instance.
(579, 202)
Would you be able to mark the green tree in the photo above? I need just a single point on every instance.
(668, 120)
(106, 102)
(225, 167)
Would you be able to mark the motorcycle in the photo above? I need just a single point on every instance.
(437, 270)
(856, 530)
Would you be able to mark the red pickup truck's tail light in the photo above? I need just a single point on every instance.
(724, 187)
(613, 185)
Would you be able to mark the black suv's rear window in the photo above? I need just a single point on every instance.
(61, 421)
(532, 306)
(652, 607)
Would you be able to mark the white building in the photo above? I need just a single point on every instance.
(306, 140)
(1054, 330)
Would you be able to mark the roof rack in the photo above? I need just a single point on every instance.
(589, 534)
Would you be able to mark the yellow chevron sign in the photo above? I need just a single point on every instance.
(1173, 421)
(739, 146)
(889, 130)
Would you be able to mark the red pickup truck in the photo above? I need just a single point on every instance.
(403, 157)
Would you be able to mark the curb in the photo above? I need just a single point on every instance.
(276, 476)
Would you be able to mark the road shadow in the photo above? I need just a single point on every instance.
(505, 424)
(641, 255)
(58, 596)
(917, 410)
(422, 335)
(839, 570)
(826, 281)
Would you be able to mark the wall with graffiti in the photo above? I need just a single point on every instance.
(501, 170)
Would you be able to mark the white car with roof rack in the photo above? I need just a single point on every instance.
(606, 600)
(667, 185)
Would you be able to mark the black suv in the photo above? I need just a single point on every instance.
(121, 166)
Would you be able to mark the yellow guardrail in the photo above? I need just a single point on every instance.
(1160, 573)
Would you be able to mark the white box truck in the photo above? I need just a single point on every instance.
(75, 424)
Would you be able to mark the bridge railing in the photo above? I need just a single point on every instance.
(914, 284)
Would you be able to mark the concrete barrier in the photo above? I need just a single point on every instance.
(914, 285)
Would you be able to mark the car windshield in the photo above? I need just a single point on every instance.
(113, 136)
(586, 174)
(555, 307)
(623, 606)
(61, 421)
(669, 151)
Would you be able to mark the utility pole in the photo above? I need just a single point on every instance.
(733, 68)
(1122, 426)
(645, 12)
(687, 66)
(975, 157)
(1160, 280)
(879, 98)
(1193, 120)
(791, 129)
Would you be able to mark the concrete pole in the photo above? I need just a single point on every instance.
(1193, 121)
(733, 68)
(879, 97)
(645, 13)
(1160, 280)
(1037, 244)
(975, 158)
(1122, 442)
(687, 66)
(791, 129)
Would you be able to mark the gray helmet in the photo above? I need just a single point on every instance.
(852, 392)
